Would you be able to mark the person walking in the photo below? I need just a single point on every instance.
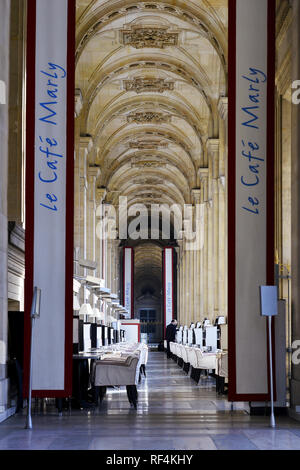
(171, 335)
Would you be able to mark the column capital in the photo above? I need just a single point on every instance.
(202, 173)
(223, 107)
(196, 194)
(86, 142)
(78, 102)
(213, 146)
(100, 195)
(94, 171)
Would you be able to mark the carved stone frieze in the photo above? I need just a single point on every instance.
(141, 85)
(148, 161)
(147, 144)
(148, 117)
(139, 37)
(147, 164)
(148, 181)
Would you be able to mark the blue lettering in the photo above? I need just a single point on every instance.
(255, 118)
(254, 71)
(254, 98)
(52, 113)
(254, 168)
(58, 67)
(52, 94)
(250, 184)
(48, 181)
(253, 211)
(52, 165)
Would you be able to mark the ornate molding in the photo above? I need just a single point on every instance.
(213, 145)
(149, 181)
(86, 142)
(222, 182)
(139, 37)
(147, 144)
(100, 195)
(196, 194)
(94, 172)
(223, 107)
(16, 236)
(147, 164)
(148, 117)
(284, 21)
(284, 74)
(203, 173)
(150, 196)
(83, 184)
(148, 161)
(78, 102)
(142, 85)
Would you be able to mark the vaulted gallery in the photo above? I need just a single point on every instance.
(151, 101)
(162, 209)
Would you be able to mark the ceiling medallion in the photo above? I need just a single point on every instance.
(148, 117)
(139, 37)
(141, 85)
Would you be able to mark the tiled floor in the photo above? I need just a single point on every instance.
(173, 413)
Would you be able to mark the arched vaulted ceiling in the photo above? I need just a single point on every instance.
(150, 74)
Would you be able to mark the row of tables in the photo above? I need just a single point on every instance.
(83, 391)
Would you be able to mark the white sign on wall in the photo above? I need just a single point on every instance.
(49, 222)
(250, 175)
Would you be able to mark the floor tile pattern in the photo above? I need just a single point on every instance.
(173, 414)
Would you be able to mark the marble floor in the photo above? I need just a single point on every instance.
(173, 414)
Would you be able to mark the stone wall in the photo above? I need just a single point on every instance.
(4, 74)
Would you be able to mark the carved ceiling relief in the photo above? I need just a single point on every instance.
(161, 53)
(148, 117)
(148, 144)
(141, 85)
(158, 37)
(148, 181)
(147, 164)
(148, 161)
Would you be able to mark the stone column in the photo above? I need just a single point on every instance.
(223, 228)
(77, 186)
(4, 75)
(93, 174)
(179, 284)
(204, 252)
(222, 248)
(81, 235)
(213, 151)
(184, 285)
(190, 293)
(17, 113)
(114, 262)
(177, 249)
(196, 193)
(189, 254)
(100, 196)
(81, 200)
